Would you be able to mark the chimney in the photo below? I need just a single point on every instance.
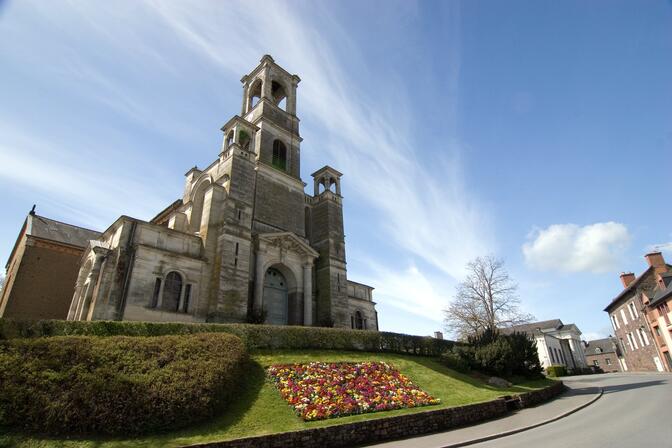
(438, 335)
(656, 261)
(627, 278)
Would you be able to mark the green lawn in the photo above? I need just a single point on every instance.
(260, 410)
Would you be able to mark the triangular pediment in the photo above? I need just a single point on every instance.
(288, 241)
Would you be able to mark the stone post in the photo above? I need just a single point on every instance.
(308, 294)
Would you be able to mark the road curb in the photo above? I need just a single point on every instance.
(526, 428)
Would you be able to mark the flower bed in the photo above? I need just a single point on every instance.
(318, 390)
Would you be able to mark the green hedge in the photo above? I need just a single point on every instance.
(254, 336)
(556, 371)
(116, 385)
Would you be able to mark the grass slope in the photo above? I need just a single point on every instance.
(260, 410)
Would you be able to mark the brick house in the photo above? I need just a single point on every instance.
(658, 304)
(635, 317)
(604, 354)
(42, 268)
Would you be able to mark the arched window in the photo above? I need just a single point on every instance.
(279, 155)
(172, 290)
(229, 139)
(255, 94)
(279, 95)
(359, 321)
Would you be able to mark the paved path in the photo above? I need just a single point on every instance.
(634, 409)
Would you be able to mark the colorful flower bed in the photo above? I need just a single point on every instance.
(318, 390)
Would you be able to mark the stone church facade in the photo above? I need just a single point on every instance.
(244, 243)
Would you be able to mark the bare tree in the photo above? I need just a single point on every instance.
(486, 299)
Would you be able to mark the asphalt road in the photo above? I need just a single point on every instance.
(635, 410)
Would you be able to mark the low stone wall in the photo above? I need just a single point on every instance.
(540, 396)
(379, 430)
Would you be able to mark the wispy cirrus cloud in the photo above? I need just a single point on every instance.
(427, 211)
(67, 182)
(422, 203)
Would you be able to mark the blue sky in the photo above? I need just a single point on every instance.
(537, 131)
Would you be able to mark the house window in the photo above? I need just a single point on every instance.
(623, 345)
(596, 363)
(631, 340)
(614, 321)
(552, 356)
(279, 155)
(625, 319)
(607, 361)
(633, 310)
(660, 335)
(643, 336)
(155, 294)
(359, 321)
(664, 311)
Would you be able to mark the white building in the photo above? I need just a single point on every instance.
(557, 343)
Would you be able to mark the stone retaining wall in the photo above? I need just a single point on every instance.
(382, 429)
(539, 396)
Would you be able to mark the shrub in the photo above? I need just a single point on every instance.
(556, 370)
(497, 354)
(115, 385)
(254, 336)
(458, 358)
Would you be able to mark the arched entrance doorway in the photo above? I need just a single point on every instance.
(275, 297)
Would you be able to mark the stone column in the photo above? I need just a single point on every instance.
(246, 86)
(259, 281)
(308, 294)
(266, 86)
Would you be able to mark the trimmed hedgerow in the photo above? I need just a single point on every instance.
(254, 336)
(116, 385)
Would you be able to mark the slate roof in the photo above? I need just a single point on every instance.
(534, 327)
(49, 229)
(606, 345)
(630, 288)
(52, 230)
(661, 294)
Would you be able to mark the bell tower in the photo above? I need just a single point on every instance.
(269, 102)
(328, 238)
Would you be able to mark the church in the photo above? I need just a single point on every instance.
(245, 243)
